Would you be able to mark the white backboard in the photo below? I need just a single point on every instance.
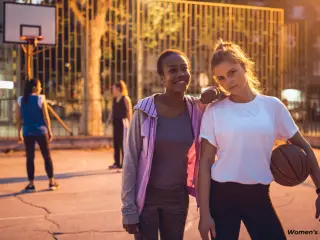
(29, 19)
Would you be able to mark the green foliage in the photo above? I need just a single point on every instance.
(163, 21)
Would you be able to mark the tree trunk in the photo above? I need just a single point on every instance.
(95, 28)
(83, 126)
(93, 96)
(140, 65)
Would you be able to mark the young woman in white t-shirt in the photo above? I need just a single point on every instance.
(241, 131)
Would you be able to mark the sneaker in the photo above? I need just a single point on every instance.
(30, 188)
(53, 186)
(114, 166)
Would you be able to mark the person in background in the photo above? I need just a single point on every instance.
(34, 125)
(160, 163)
(314, 111)
(120, 116)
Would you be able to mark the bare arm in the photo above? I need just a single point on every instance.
(127, 101)
(110, 114)
(207, 158)
(299, 140)
(210, 94)
(18, 119)
(110, 117)
(46, 115)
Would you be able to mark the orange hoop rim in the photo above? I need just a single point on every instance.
(28, 38)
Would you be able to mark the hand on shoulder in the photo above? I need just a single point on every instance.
(212, 94)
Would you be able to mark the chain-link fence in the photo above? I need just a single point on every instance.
(136, 32)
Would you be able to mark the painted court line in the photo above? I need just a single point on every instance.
(58, 214)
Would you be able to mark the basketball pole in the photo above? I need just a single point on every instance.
(29, 51)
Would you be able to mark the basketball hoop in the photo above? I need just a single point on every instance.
(22, 25)
(32, 39)
(31, 42)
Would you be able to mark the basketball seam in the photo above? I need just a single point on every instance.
(286, 157)
(275, 167)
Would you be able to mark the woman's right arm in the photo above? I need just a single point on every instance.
(18, 121)
(46, 117)
(111, 113)
(109, 117)
(207, 158)
(208, 153)
(129, 175)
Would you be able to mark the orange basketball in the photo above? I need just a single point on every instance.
(289, 165)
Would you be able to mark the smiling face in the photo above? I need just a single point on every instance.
(231, 76)
(176, 73)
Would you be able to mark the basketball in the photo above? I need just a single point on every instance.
(289, 165)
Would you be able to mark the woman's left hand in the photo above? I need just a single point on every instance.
(50, 136)
(318, 207)
(20, 141)
(209, 95)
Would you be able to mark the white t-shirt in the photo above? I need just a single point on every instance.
(244, 134)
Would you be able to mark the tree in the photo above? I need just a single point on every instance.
(162, 22)
(96, 26)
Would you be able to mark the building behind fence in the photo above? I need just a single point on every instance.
(281, 50)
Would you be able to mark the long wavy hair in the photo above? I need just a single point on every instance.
(122, 86)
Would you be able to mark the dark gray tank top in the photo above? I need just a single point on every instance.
(173, 140)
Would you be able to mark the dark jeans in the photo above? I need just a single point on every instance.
(164, 210)
(43, 142)
(118, 141)
(231, 203)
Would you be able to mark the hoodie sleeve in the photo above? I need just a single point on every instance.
(129, 210)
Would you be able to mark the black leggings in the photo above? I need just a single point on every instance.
(118, 141)
(43, 142)
(232, 202)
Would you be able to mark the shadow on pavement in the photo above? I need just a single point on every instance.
(59, 176)
(22, 192)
